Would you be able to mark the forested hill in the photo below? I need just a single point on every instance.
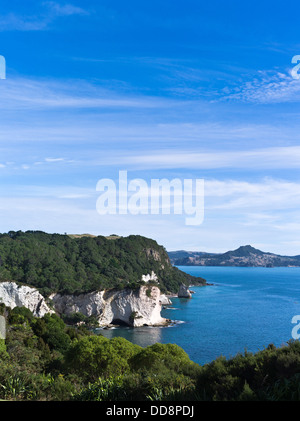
(75, 264)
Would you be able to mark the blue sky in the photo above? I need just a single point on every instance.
(166, 89)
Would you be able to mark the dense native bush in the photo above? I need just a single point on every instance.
(98, 356)
(44, 359)
(66, 264)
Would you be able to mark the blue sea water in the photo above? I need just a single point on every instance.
(245, 309)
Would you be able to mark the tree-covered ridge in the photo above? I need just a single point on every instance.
(60, 263)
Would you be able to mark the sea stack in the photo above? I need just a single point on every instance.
(184, 292)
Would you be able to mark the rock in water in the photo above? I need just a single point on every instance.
(184, 292)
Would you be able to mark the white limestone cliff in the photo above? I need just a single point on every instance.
(164, 300)
(132, 307)
(14, 295)
(150, 277)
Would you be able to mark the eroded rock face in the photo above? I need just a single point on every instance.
(184, 292)
(133, 307)
(154, 254)
(164, 300)
(13, 295)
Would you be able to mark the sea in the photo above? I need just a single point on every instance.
(245, 309)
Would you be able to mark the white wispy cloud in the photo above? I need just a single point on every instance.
(41, 19)
(54, 159)
(269, 195)
(64, 10)
(236, 213)
(52, 192)
(279, 158)
(24, 93)
(266, 88)
(14, 22)
(264, 158)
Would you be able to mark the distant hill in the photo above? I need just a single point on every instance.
(73, 264)
(243, 256)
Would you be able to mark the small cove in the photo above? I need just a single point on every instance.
(246, 308)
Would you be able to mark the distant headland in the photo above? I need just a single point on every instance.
(246, 256)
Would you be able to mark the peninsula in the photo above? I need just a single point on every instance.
(243, 256)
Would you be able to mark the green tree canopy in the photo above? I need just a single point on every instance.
(59, 263)
(97, 356)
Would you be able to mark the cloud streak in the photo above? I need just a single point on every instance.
(21, 93)
(264, 158)
(267, 159)
(41, 20)
(270, 195)
(57, 9)
(268, 87)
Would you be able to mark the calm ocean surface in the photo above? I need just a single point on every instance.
(246, 308)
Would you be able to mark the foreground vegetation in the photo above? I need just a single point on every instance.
(77, 264)
(45, 359)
